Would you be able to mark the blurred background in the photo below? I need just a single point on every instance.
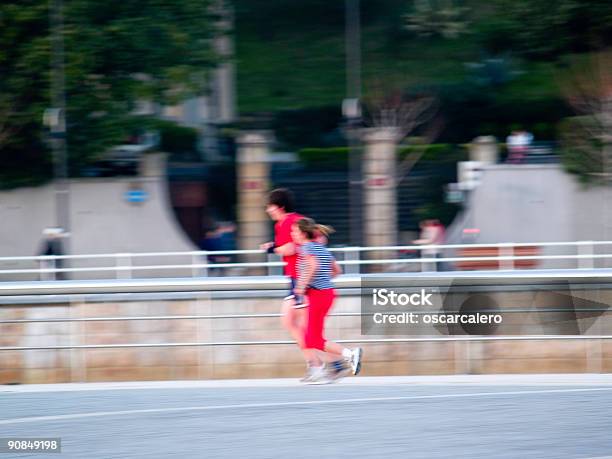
(92, 96)
(139, 137)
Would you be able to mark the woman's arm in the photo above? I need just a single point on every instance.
(310, 268)
(336, 269)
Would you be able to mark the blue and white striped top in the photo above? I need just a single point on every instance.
(322, 279)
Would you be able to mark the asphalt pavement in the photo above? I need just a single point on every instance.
(550, 416)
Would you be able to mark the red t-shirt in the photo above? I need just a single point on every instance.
(282, 236)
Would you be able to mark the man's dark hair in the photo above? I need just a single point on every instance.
(283, 198)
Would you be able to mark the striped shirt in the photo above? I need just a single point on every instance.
(322, 278)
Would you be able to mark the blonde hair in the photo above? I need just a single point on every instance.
(313, 229)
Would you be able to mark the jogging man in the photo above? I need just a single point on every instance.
(281, 209)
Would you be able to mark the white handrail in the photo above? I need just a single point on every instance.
(199, 262)
(332, 249)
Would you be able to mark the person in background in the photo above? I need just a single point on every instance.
(52, 246)
(219, 239)
(432, 233)
(512, 145)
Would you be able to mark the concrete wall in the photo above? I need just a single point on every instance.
(192, 362)
(102, 221)
(536, 203)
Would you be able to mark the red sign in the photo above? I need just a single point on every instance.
(377, 182)
(252, 185)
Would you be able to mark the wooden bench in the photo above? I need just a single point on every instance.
(470, 265)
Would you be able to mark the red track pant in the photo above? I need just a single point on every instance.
(319, 304)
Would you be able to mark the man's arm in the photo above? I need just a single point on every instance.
(266, 245)
(285, 250)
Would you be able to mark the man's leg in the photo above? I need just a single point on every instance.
(293, 320)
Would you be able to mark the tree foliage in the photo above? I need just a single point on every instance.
(117, 53)
(545, 29)
(437, 18)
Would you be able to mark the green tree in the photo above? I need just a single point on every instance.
(587, 139)
(443, 18)
(117, 53)
(545, 29)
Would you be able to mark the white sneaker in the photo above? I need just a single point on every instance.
(338, 370)
(319, 376)
(355, 360)
(310, 372)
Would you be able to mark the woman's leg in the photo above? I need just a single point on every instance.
(320, 302)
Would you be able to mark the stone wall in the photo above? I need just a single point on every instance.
(246, 361)
(102, 221)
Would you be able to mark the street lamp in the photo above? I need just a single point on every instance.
(351, 110)
(55, 118)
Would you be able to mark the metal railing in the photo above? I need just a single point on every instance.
(201, 263)
(529, 279)
(260, 284)
(424, 339)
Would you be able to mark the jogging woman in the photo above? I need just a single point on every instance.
(316, 268)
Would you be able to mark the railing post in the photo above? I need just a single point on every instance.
(506, 250)
(197, 259)
(269, 259)
(428, 260)
(194, 262)
(434, 263)
(586, 248)
(123, 260)
(53, 273)
(274, 270)
(352, 255)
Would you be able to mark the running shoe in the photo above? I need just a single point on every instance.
(337, 370)
(355, 360)
(320, 376)
(310, 371)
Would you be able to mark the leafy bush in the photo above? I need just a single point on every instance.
(337, 157)
(310, 127)
(433, 152)
(325, 158)
(581, 154)
(175, 138)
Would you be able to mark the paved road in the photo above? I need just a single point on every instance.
(360, 418)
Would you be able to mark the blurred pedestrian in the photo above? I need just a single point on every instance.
(512, 145)
(218, 239)
(51, 247)
(432, 234)
(518, 144)
(281, 209)
(327, 361)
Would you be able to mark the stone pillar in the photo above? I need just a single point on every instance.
(484, 149)
(380, 190)
(253, 182)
